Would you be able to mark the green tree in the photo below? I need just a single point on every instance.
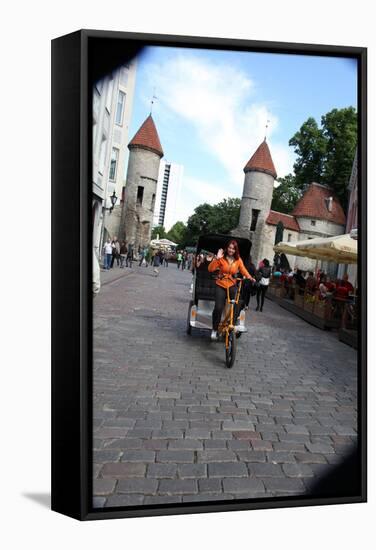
(286, 195)
(177, 233)
(340, 127)
(310, 146)
(218, 218)
(158, 230)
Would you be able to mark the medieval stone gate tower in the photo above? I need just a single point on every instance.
(141, 184)
(257, 196)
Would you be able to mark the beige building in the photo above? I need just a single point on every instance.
(112, 109)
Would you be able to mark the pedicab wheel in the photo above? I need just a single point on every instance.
(231, 350)
(189, 328)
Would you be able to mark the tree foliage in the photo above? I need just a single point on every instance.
(158, 230)
(286, 195)
(324, 155)
(177, 233)
(218, 218)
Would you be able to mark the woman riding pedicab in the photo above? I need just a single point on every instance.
(228, 263)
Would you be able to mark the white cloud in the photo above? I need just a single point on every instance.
(218, 100)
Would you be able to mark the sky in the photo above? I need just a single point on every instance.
(213, 106)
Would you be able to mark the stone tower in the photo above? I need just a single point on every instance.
(256, 201)
(145, 153)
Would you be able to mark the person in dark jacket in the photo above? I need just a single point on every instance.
(249, 288)
(263, 278)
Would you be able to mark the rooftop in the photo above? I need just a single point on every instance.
(147, 137)
(261, 161)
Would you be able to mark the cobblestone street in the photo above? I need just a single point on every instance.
(173, 424)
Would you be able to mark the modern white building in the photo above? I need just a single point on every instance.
(169, 186)
(112, 108)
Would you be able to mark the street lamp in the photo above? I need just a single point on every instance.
(113, 199)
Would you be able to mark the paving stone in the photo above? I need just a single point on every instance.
(103, 487)
(251, 456)
(211, 485)
(238, 425)
(187, 444)
(243, 486)
(310, 458)
(163, 499)
(238, 445)
(215, 444)
(218, 497)
(144, 486)
(265, 470)
(197, 433)
(162, 471)
(192, 471)
(168, 434)
(138, 456)
(296, 429)
(344, 430)
(285, 486)
(281, 457)
(227, 469)
(110, 433)
(175, 456)
(216, 456)
(125, 500)
(260, 445)
(102, 456)
(154, 444)
(322, 448)
(246, 434)
(297, 470)
(289, 446)
(177, 486)
(121, 470)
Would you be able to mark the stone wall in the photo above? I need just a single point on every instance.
(137, 218)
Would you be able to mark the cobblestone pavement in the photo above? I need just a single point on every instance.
(173, 424)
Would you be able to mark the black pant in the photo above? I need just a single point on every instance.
(247, 291)
(261, 291)
(220, 300)
(117, 257)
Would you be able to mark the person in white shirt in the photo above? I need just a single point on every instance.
(107, 248)
(96, 275)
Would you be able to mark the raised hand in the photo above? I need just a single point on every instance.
(220, 254)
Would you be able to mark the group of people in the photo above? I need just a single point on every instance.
(319, 284)
(184, 260)
(116, 251)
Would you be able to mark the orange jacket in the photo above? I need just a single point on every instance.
(227, 272)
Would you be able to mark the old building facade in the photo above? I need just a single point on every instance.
(317, 214)
(112, 109)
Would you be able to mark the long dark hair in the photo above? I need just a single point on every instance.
(235, 245)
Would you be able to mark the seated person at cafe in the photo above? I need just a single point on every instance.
(323, 289)
(344, 288)
(299, 279)
(311, 283)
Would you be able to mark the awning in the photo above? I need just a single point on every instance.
(341, 249)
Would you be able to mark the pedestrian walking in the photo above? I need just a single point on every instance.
(123, 253)
(115, 252)
(107, 249)
(129, 259)
(142, 256)
(263, 278)
(249, 287)
(166, 258)
(156, 264)
(179, 258)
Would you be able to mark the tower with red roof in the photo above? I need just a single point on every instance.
(260, 174)
(145, 153)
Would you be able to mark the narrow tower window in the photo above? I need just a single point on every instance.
(140, 195)
(255, 215)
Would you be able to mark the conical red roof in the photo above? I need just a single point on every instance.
(261, 161)
(315, 204)
(147, 137)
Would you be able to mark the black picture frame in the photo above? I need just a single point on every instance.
(78, 59)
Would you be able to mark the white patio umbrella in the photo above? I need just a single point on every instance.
(290, 248)
(341, 249)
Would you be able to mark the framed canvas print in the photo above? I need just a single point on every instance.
(209, 274)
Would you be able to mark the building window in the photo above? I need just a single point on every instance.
(140, 195)
(102, 154)
(255, 215)
(279, 233)
(120, 108)
(153, 202)
(289, 238)
(113, 163)
(110, 88)
(313, 222)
